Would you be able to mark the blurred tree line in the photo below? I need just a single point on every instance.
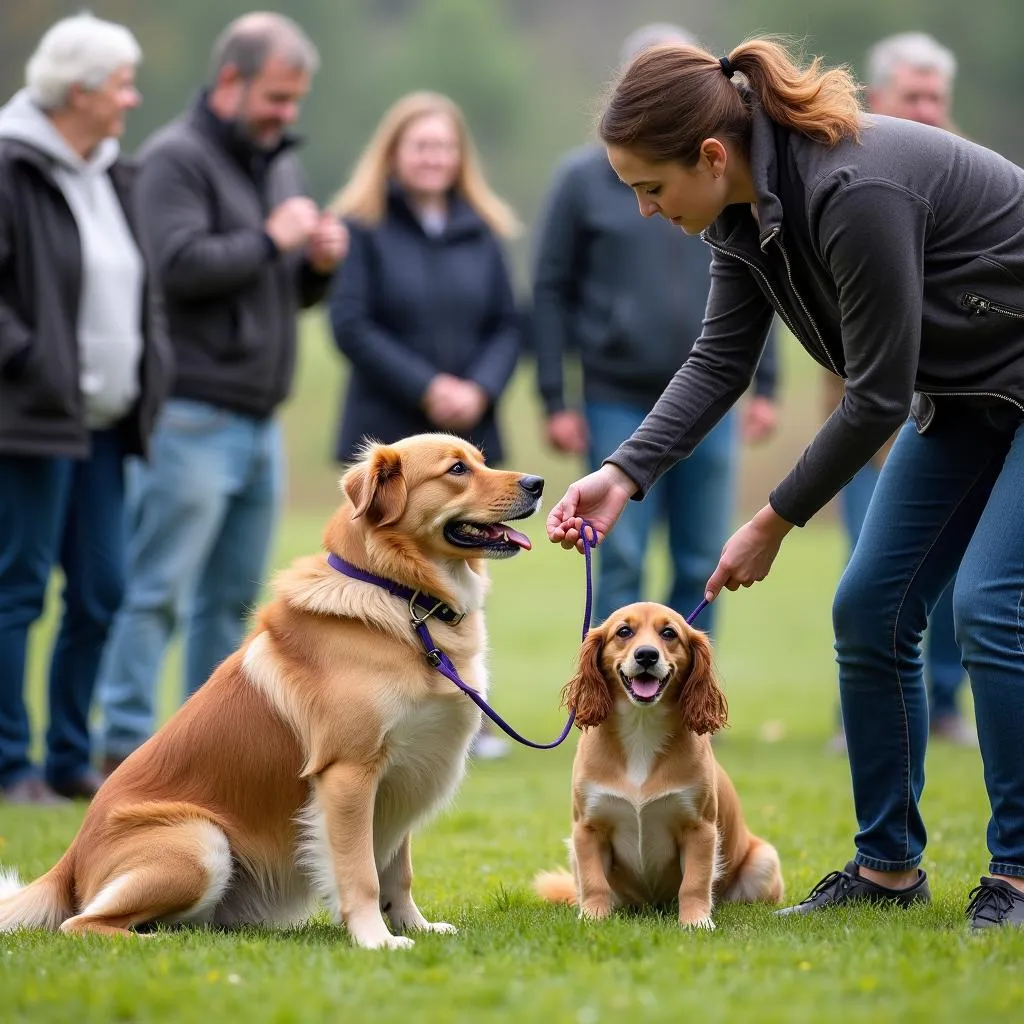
(528, 73)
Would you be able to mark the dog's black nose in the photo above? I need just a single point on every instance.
(533, 485)
(645, 657)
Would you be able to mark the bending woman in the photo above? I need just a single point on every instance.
(895, 254)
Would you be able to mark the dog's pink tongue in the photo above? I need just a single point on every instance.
(503, 532)
(516, 538)
(645, 687)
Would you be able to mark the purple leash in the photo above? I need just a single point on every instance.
(696, 611)
(438, 659)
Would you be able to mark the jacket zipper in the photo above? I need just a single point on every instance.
(779, 308)
(980, 306)
(753, 266)
(972, 394)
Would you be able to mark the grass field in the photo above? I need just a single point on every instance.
(515, 958)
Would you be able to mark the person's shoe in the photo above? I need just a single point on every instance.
(953, 729)
(847, 886)
(995, 903)
(82, 787)
(33, 792)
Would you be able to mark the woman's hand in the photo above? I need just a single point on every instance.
(748, 554)
(599, 498)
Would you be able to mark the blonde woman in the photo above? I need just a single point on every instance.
(423, 306)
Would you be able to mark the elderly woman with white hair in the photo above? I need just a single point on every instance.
(83, 364)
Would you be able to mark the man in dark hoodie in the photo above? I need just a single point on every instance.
(629, 295)
(83, 367)
(238, 247)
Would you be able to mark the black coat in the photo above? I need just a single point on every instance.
(42, 411)
(406, 306)
(232, 299)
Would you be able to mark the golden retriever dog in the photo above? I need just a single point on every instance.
(654, 816)
(301, 768)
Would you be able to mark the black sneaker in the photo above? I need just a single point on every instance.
(995, 903)
(847, 886)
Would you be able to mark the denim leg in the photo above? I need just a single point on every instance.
(31, 519)
(988, 607)
(620, 556)
(928, 500)
(230, 583)
(177, 503)
(697, 496)
(943, 668)
(93, 559)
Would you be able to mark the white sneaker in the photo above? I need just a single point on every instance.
(488, 747)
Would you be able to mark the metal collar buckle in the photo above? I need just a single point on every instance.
(452, 618)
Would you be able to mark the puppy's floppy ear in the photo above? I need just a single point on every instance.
(376, 487)
(587, 693)
(701, 701)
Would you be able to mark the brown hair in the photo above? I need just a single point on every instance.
(587, 694)
(364, 197)
(702, 704)
(673, 97)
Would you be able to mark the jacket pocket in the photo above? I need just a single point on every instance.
(981, 305)
(46, 387)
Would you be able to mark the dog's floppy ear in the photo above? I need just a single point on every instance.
(376, 487)
(587, 692)
(701, 701)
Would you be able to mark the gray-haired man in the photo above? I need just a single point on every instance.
(237, 247)
(910, 75)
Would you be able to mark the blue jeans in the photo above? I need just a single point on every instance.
(953, 497)
(695, 499)
(201, 518)
(943, 669)
(68, 512)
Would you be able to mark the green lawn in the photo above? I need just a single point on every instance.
(517, 959)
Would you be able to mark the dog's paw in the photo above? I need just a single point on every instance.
(704, 924)
(375, 935)
(386, 942)
(595, 911)
(441, 927)
(407, 918)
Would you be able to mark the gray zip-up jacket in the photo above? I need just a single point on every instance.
(898, 263)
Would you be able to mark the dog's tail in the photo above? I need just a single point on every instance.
(555, 886)
(759, 877)
(44, 905)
